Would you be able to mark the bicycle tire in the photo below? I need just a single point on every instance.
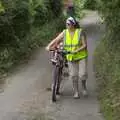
(55, 82)
(59, 81)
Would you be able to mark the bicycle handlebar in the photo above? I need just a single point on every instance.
(66, 52)
(62, 51)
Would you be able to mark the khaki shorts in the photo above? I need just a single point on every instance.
(78, 68)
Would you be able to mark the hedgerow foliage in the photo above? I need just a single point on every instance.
(91, 4)
(22, 23)
(79, 6)
(108, 60)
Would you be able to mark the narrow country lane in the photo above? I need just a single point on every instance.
(25, 95)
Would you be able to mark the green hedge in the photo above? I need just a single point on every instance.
(107, 60)
(107, 68)
(24, 25)
(79, 6)
(91, 4)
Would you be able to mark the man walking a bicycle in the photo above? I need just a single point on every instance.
(74, 41)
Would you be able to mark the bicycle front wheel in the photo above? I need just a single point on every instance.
(56, 73)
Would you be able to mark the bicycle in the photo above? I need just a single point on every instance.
(58, 63)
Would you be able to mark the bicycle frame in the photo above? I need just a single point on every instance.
(58, 61)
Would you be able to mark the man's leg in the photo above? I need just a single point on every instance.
(73, 72)
(83, 75)
(75, 86)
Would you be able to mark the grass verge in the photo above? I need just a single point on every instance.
(107, 68)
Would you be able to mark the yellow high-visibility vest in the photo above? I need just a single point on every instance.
(71, 44)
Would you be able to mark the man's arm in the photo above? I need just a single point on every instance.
(55, 41)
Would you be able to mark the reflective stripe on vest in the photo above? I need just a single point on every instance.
(71, 44)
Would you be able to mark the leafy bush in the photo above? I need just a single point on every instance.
(24, 25)
(107, 67)
(91, 4)
(79, 6)
(107, 59)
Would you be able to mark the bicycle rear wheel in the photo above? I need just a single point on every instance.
(56, 82)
